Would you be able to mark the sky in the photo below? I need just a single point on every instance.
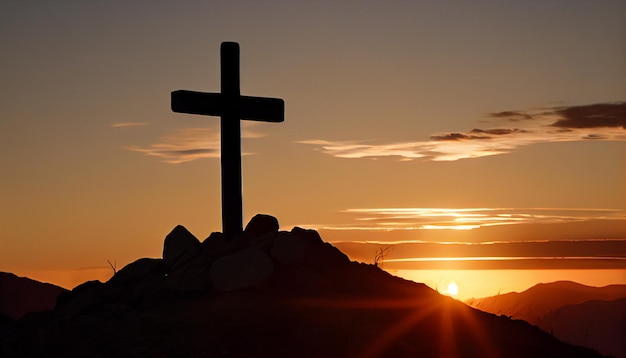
(407, 124)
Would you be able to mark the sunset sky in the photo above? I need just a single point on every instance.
(407, 124)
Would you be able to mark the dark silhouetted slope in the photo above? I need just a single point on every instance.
(597, 324)
(575, 313)
(531, 305)
(21, 295)
(270, 294)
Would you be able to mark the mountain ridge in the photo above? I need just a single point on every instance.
(542, 298)
(22, 295)
(266, 293)
(576, 313)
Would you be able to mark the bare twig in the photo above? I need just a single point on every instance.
(380, 255)
(113, 266)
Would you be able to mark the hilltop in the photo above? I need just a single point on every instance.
(266, 293)
(531, 305)
(21, 295)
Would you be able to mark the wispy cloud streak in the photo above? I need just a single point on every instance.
(184, 145)
(190, 144)
(544, 254)
(601, 122)
(466, 218)
(129, 124)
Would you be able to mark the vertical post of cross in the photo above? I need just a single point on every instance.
(232, 202)
(232, 107)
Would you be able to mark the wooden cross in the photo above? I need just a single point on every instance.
(231, 106)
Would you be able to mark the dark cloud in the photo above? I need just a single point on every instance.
(597, 122)
(592, 116)
(585, 116)
(512, 116)
(457, 136)
(497, 131)
(449, 136)
(189, 152)
(476, 134)
(594, 137)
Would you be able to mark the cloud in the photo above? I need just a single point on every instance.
(184, 145)
(538, 254)
(593, 116)
(354, 150)
(129, 124)
(386, 219)
(598, 122)
(190, 144)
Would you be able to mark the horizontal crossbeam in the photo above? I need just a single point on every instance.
(212, 104)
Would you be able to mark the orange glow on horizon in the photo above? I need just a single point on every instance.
(67, 279)
(486, 283)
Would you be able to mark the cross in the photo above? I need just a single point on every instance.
(231, 106)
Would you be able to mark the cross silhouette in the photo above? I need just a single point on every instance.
(231, 106)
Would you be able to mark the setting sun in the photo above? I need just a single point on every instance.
(453, 289)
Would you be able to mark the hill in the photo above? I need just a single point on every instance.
(533, 304)
(597, 324)
(583, 315)
(267, 293)
(21, 295)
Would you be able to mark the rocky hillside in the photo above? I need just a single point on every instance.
(270, 294)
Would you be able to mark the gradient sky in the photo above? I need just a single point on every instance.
(404, 120)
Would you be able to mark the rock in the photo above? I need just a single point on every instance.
(287, 249)
(307, 235)
(80, 299)
(138, 271)
(180, 246)
(137, 281)
(260, 225)
(192, 276)
(217, 245)
(243, 269)
(317, 253)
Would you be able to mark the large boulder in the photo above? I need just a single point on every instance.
(192, 276)
(246, 268)
(304, 246)
(137, 280)
(180, 246)
(138, 271)
(80, 299)
(260, 225)
(287, 249)
(218, 245)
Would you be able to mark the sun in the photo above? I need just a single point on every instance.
(453, 289)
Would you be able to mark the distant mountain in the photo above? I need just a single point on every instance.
(21, 295)
(597, 324)
(533, 304)
(590, 316)
(271, 294)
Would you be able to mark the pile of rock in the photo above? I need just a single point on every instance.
(225, 265)
(216, 264)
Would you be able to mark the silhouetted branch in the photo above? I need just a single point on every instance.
(113, 266)
(380, 255)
